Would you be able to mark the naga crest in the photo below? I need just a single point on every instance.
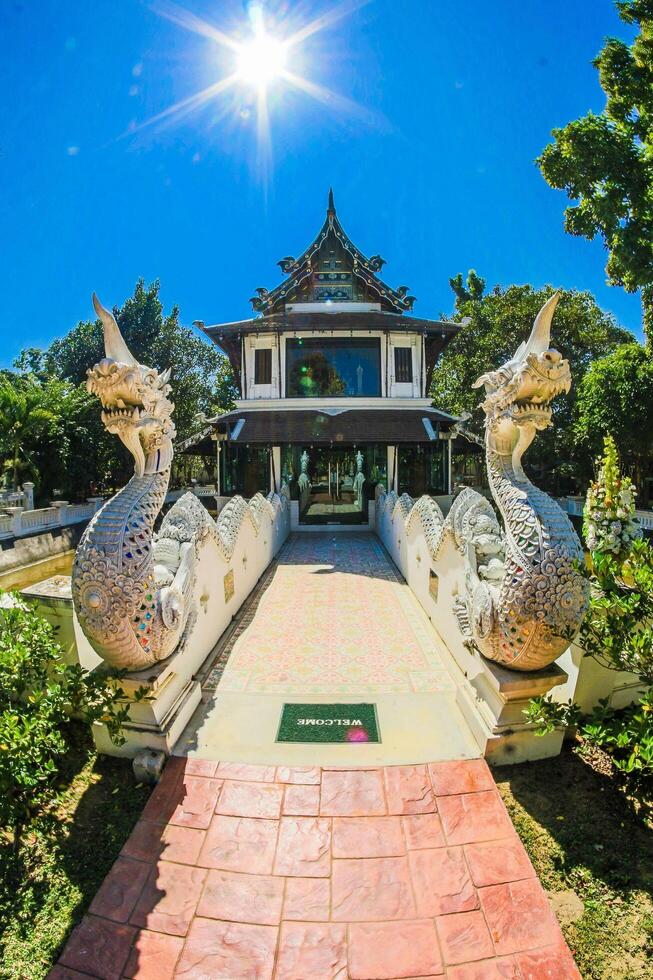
(134, 399)
(518, 395)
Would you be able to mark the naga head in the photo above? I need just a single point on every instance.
(135, 403)
(518, 395)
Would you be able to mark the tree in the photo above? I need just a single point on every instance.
(154, 339)
(24, 417)
(76, 451)
(498, 322)
(604, 161)
(616, 396)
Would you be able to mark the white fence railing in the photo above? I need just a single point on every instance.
(574, 505)
(18, 523)
(207, 490)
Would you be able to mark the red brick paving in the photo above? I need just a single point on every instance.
(242, 871)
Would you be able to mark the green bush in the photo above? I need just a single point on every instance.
(627, 735)
(618, 629)
(38, 695)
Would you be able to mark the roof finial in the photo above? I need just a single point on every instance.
(332, 208)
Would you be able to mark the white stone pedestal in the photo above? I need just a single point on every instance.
(493, 700)
(157, 721)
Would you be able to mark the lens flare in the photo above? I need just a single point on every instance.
(259, 55)
(261, 60)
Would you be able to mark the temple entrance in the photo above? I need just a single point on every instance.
(339, 488)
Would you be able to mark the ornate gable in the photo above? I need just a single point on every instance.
(332, 269)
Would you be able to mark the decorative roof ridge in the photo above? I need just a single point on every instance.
(298, 269)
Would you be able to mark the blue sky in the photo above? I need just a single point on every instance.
(434, 169)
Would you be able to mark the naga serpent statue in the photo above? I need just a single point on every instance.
(523, 596)
(133, 594)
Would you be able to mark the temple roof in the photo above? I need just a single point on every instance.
(323, 426)
(332, 269)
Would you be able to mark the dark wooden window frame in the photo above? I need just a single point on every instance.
(263, 366)
(404, 365)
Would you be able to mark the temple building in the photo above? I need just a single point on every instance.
(334, 373)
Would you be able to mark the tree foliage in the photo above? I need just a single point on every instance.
(616, 396)
(73, 452)
(497, 322)
(38, 695)
(605, 161)
(24, 418)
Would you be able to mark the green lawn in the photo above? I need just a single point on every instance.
(65, 854)
(585, 835)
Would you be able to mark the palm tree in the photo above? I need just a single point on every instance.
(24, 417)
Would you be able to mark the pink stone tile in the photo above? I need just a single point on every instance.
(423, 830)
(502, 968)
(153, 956)
(464, 936)
(308, 775)
(464, 776)
(197, 801)
(165, 795)
(498, 861)
(408, 790)
(552, 963)
(372, 888)
(244, 771)
(388, 950)
(99, 948)
(228, 951)
(241, 799)
(169, 899)
(120, 890)
(441, 881)
(302, 800)
(153, 842)
(519, 916)
(239, 897)
(312, 950)
(239, 844)
(307, 899)
(352, 793)
(304, 847)
(361, 837)
(200, 767)
(474, 817)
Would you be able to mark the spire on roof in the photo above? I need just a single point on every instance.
(331, 208)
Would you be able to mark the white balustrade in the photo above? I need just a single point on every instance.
(21, 522)
(575, 505)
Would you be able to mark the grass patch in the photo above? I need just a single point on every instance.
(585, 834)
(65, 853)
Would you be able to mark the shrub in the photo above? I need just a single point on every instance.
(38, 695)
(618, 629)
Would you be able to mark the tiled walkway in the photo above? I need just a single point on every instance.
(332, 620)
(254, 872)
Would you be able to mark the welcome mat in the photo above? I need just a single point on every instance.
(328, 723)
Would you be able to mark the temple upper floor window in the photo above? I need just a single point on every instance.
(263, 366)
(333, 367)
(403, 365)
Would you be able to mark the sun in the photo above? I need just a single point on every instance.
(259, 54)
(261, 60)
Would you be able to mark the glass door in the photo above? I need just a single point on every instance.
(338, 492)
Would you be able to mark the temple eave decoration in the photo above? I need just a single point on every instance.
(332, 269)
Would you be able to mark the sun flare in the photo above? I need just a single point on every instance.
(261, 60)
(258, 61)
